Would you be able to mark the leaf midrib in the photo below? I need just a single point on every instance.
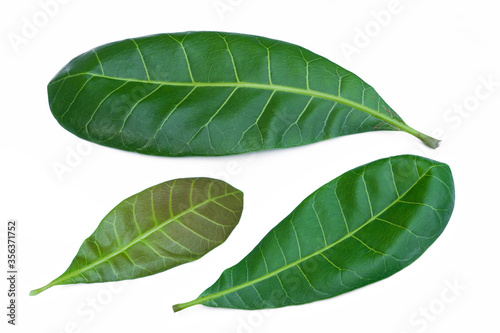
(138, 239)
(272, 87)
(303, 259)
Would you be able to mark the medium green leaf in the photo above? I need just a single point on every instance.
(362, 227)
(159, 228)
(211, 93)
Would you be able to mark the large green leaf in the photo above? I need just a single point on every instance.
(210, 93)
(159, 228)
(362, 227)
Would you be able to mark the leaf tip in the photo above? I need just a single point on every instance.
(35, 292)
(177, 307)
(429, 141)
(182, 306)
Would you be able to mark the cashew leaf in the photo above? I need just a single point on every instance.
(212, 93)
(360, 228)
(159, 228)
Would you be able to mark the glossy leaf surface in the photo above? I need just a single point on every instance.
(362, 227)
(210, 93)
(159, 228)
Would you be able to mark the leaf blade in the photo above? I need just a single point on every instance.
(226, 81)
(157, 229)
(351, 244)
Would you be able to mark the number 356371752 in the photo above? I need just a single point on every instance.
(11, 244)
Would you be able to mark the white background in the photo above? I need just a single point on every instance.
(428, 60)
